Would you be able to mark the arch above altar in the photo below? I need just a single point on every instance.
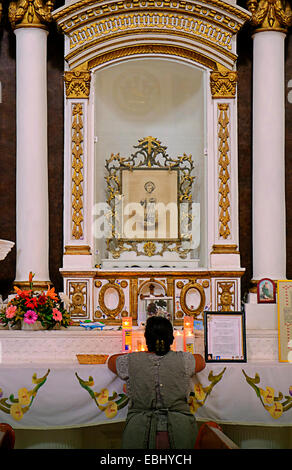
(101, 32)
(150, 72)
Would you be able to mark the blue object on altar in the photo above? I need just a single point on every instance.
(92, 326)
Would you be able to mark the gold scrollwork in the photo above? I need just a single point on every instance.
(270, 15)
(179, 314)
(77, 171)
(223, 170)
(150, 155)
(111, 313)
(223, 84)
(179, 284)
(77, 84)
(30, 13)
(152, 49)
(225, 296)
(78, 296)
(188, 310)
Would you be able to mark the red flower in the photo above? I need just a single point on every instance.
(42, 299)
(31, 303)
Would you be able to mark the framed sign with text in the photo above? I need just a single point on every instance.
(225, 336)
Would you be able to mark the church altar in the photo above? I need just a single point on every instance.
(150, 117)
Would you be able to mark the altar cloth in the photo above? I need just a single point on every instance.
(52, 396)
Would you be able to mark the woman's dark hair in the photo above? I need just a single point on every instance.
(159, 335)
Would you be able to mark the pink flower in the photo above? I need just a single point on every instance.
(57, 315)
(30, 317)
(10, 311)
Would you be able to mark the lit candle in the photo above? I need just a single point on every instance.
(127, 334)
(189, 343)
(179, 345)
(188, 334)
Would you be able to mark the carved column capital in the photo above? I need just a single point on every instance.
(30, 13)
(77, 83)
(223, 84)
(270, 15)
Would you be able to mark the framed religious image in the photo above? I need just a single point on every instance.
(225, 336)
(266, 291)
(150, 204)
(150, 210)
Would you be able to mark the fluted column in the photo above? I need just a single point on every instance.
(271, 18)
(32, 217)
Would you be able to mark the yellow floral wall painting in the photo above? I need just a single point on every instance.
(17, 407)
(276, 406)
(110, 404)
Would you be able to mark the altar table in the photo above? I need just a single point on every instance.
(58, 396)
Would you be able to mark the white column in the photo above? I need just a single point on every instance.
(32, 218)
(269, 221)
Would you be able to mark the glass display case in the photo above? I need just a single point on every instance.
(159, 306)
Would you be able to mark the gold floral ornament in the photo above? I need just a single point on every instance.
(275, 15)
(276, 406)
(109, 404)
(27, 13)
(200, 394)
(17, 407)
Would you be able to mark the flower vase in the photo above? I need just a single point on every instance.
(16, 326)
(32, 326)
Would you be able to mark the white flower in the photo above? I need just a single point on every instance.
(65, 299)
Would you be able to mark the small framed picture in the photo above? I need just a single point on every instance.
(266, 291)
(225, 337)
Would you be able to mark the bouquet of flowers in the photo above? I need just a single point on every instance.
(29, 306)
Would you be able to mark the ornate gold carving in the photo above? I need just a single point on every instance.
(124, 284)
(188, 310)
(205, 284)
(179, 284)
(152, 49)
(275, 15)
(224, 176)
(185, 17)
(149, 248)
(77, 250)
(225, 296)
(30, 13)
(151, 282)
(179, 314)
(77, 171)
(223, 84)
(78, 295)
(150, 155)
(210, 26)
(111, 313)
(0, 11)
(98, 284)
(77, 84)
(203, 10)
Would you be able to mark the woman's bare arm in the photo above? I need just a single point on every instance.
(112, 362)
(200, 363)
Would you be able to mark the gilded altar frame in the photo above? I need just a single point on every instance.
(175, 177)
